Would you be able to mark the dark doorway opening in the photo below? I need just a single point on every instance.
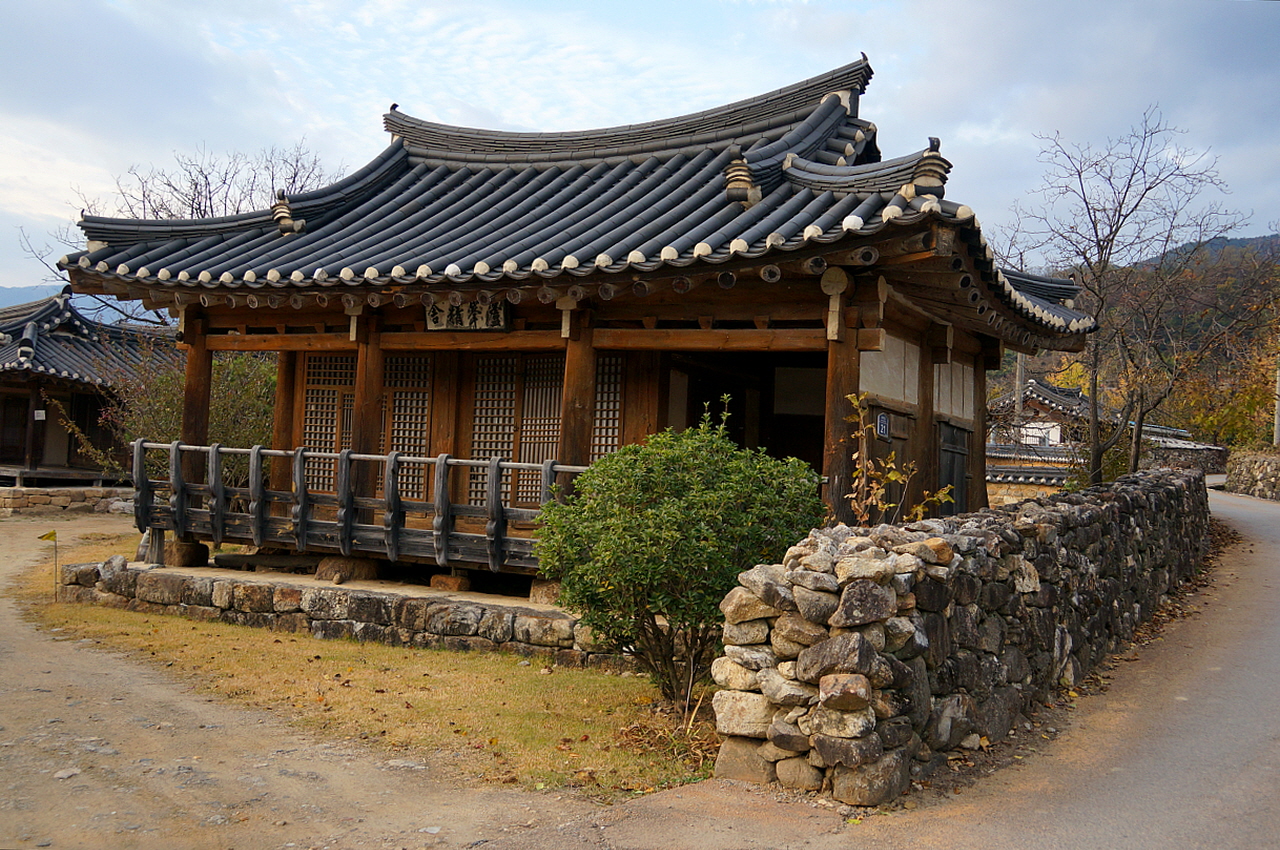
(776, 401)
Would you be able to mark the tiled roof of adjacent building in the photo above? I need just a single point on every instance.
(796, 170)
(51, 338)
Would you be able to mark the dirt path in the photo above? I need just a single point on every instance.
(98, 751)
(1183, 751)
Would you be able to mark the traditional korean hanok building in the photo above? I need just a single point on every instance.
(1036, 447)
(56, 363)
(528, 297)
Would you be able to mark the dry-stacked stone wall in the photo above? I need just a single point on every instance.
(1254, 474)
(869, 652)
(406, 616)
(36, 501)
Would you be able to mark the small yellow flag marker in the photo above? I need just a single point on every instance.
(50, 535)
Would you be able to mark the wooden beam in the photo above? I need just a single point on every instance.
(977, 466)
(280, 342)
(680, 339)
(196, 394)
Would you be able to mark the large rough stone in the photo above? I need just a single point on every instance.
(742, 713)
(799, 630)
(739, 758)
(786, 735)
(740, 605)
(864, 602)
(849, 752)
(952, 719)
(320, 603)
(455, 620)
(731, 675)
(868, 565)
(874, 783)
(844, 691)
(783, 691)
(838, 724)
(254, 598)
(286, 600)
(768, 583)
(932, 595)
(816, 606)
(782, 648)
(747, 632)
(997, 714)
(752, 657)
(847, 653)
(824, 582)
(934, 550)
(371, 608)
(498, 626)
(159, 588)
(797, 773)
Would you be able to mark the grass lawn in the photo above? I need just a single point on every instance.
(478, 716)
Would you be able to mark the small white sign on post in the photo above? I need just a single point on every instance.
(39, 415)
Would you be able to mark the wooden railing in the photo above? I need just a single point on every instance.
(411, 515)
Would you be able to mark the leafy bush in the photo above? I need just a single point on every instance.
(655, 535)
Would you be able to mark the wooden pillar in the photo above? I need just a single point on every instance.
(578, 404)
(838, 443)
(287, 363)
(29, 459)
(924, 438)
(366, 417)
(978, 442)
(195, 395)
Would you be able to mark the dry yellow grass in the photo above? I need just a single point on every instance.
(484, 716)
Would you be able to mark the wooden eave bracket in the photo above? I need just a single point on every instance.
(992, 353)
(835, 282)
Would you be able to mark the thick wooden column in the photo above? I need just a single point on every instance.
(838, 443)
(196, 395)
(978, 442)
(578, 403)
(366, 417)
(924, 446)
(287, 364)
(29, 460)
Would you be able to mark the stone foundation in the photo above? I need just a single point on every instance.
(405, 615)
(36, 501)
(868, 653)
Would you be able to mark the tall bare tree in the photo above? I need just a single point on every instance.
(1131, 220)
(199, 185)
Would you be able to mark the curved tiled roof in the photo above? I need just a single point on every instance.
(450, 207)
(51, 338)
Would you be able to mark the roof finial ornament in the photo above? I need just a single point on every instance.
(935, 144)
(283, 216)
(394, 107)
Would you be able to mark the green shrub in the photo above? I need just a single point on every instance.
(655, 535)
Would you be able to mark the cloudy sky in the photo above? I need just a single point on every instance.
(91, 87)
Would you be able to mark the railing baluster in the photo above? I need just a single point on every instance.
(217, 493)
(346, 500)
(178, 490)
(301, 506)
(257, 498)
(393, 519)
(442, 523)
(548, 480)
(496, 528)
(142, 487)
